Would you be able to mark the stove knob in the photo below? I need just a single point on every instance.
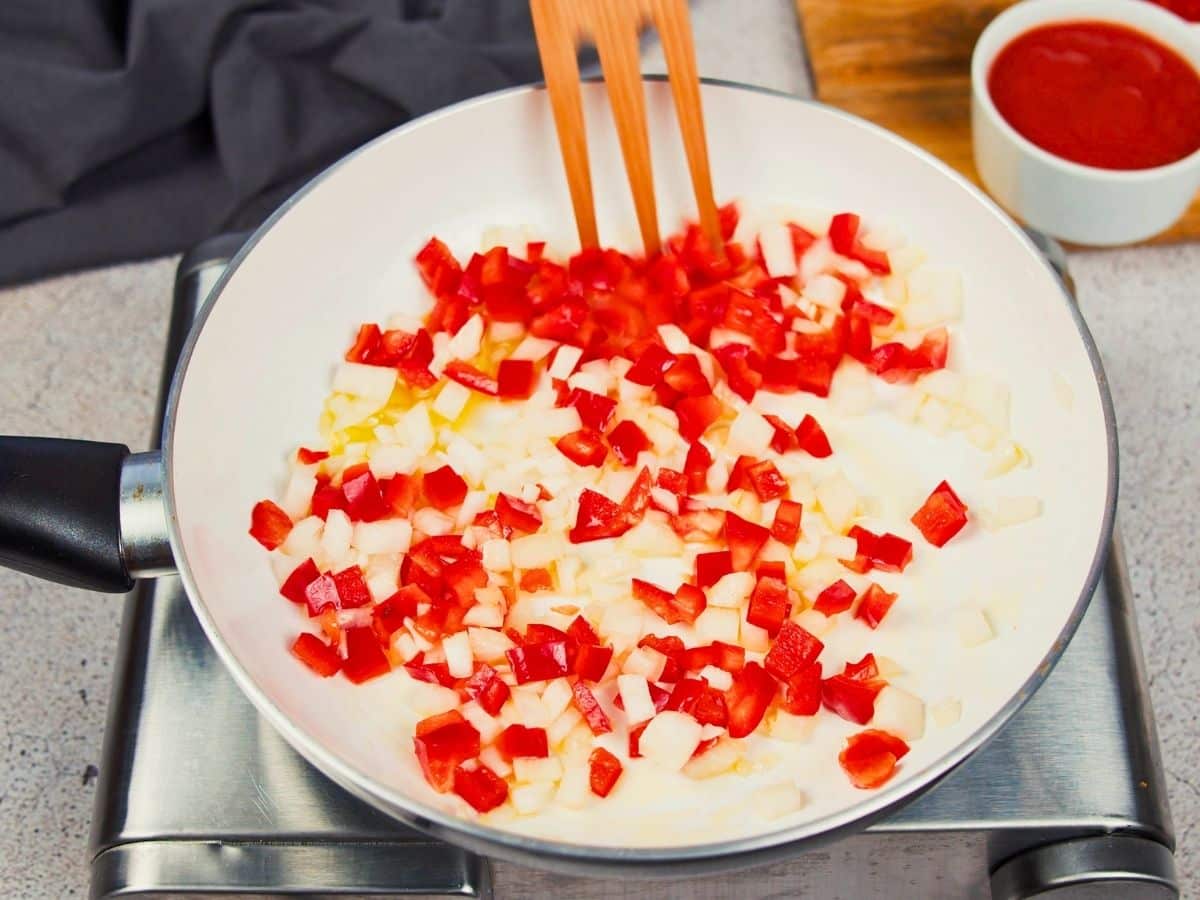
(1091, 868)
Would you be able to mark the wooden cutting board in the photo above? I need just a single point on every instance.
(906, 65)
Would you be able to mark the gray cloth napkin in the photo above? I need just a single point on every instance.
(132, 128)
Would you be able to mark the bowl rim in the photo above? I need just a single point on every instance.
(637, 861)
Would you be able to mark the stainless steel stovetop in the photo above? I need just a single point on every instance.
(198, 797)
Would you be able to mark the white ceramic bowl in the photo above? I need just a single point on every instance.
(1071, 201)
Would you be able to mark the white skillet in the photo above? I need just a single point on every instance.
(339, 253)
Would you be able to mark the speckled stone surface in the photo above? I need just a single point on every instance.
(79, 356)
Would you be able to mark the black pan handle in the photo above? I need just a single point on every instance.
(60, 511)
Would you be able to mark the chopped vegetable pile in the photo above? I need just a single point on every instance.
(561, 499)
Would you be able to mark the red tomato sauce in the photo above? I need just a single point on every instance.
(1099, 94)
(1188, 9)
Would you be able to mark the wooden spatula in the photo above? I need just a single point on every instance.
(612, 25)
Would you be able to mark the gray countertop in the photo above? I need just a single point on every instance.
(80, 356)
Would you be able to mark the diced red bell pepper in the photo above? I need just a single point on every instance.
(730, 657)
(604, 770)
(688, 603)
(637, 499)
(810, 437)
(442, 743)
(711, 708)
(393, 348)
(648, 369)
(672, 648)
(581, 631)
(766, 481)
(739, 477)
(671, 480)
(850, 698)
(598, 518)
(316, 654)
(366, 342)
(742, 367)
(865, 551)
(784, 438)
(595, 410)
(685, 694)
(562, 322)
(480, 787)
(587, 704)
(769, 605)
(891, 553)
(469, 376)
(874, 605)
(489, 520)
(627, 441)
(321, 594)
(439, 269)
(418, 569)
(364, 499)
(802, 239)
(866, 669)
(712, 567)
(747, 700)
(635, 735)
(942, 516)
(540, 633)
(517, 515)
(656, 599)
(488, 689)
(686, 377)
(771, 569)
(463, 578)
(269, 525)
(696, 414)
(534, 580)
(365, 659)
(591, 661)
(786, 526)
(843, 231)
(402, 493)
(895, 362)
(517, 740)
(307, 457)
(794, 649)
(414, 364)
(802, 693)
(583, 447)
(539, 662)
(814, 375)
(745, 539)
(297, 583)
(856, 306)
(429, 672)
(875, 260)
(445, 488)
(870, 757)
(836, 598)
(858, 336)
(886, 552)
(515, 379)
(696, 467)
(351, 588)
